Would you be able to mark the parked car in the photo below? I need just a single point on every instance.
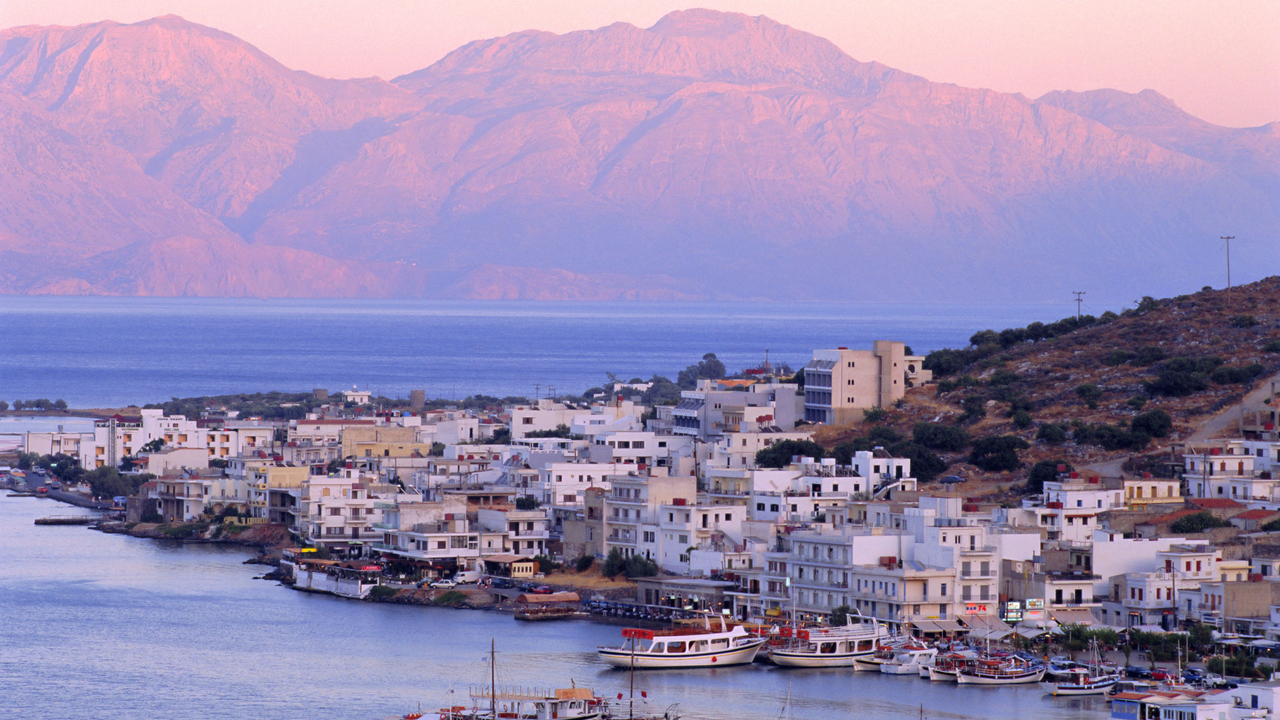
(543, 590)
(952, 480)
(1137, 673)
(444, 584)
(527, 587)
(1163, 675)
(501, 583)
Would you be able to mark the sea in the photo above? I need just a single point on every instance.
(101, 352)
(109, 626)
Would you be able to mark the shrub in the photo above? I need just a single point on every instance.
(381, 593)
(1244, 321)
(1182, 376)
(840, 615)
(1198, 522)
(1042, 472)
(998, 453)
(925, 463)
(778, 455)
(1226, 375)
(1022, 419)
(527, 502)
(874, 415)
(1136, 402)
(1110, 437)
(1117, 357)
(1090, 394)
(584, 563)
(1003, 377)
(936, 436)
(451, 598)
(975, 407)
(1272, 526)
(151, 516)
(1053, 433)
(1156, 423)
(545, 564)
(1272, 346)
(1148, 355)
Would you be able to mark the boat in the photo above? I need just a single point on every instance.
(687, 647)
(1079, 681)
(827, 647)
(908, 661)
(945, 667)
(999, 671)
(492, 702)
(886, 652)
(1094, 678)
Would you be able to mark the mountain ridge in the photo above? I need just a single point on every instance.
(712, 155)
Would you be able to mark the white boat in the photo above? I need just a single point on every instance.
(886, 651)
(908, 661)
(1092, 679)
(1080, 681)
(999, 671)
(683, 648)
(558, 704)
(946, 666)
(828, 647)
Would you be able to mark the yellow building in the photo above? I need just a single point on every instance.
(1149, 491)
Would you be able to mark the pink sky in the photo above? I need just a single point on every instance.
(1218, 59)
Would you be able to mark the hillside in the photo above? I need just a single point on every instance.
(1132, 360)
(712, 155)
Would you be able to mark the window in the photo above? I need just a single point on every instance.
(526, 421)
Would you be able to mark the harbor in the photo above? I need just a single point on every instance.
(198, 613)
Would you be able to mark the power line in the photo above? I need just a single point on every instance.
(1079, 299)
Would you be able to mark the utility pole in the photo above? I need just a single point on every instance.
(1228, 239)
(1079, 299)
(537, 392)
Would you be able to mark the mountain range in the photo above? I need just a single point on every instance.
(713, 155)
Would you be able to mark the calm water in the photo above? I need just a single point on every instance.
(105, 626)
(106, 352)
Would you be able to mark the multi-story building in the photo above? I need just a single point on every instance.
(630, 521)
(115, 437)
(840, 384)
(339, 511)
(640, 448)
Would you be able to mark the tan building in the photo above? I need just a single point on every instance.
(840, 384)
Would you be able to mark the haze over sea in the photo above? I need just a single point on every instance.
(114, 351)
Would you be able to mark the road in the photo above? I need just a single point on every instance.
(1207, 430)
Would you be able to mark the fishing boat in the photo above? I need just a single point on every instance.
(999, 671)
(827, 647)
(946, 666)
(886, 651)
(684, 647)
(1094, 678)
(908, 661)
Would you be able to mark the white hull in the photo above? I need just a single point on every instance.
(968, 679)
(1068, 689)
(924, 671)
(740, 655)
(900, 669)
(937, 675)
(812, 660)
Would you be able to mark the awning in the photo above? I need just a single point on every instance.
(949, 626)
(927, 626)
(988, 628)
(1029, 632)
(1073, 616)
(1149, 628)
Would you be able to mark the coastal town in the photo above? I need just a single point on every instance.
(715, 506)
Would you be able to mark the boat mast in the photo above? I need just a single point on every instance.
(631, 700)
(493, 680)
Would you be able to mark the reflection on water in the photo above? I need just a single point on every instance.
(114, 627)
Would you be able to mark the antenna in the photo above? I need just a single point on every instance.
(1079, 299)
